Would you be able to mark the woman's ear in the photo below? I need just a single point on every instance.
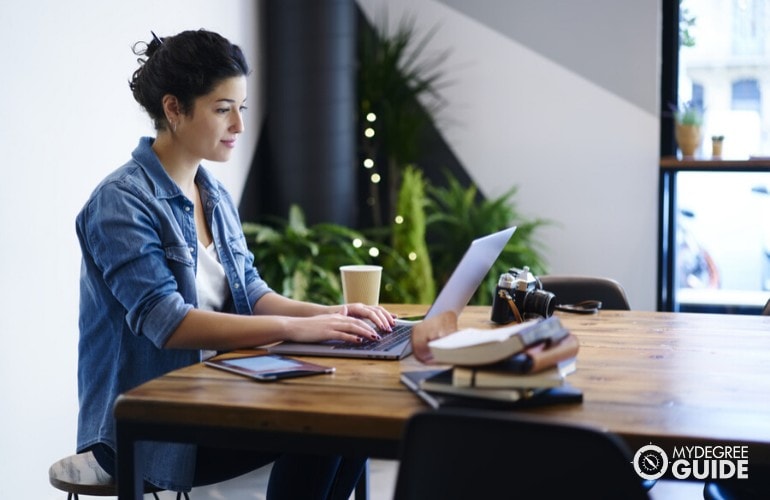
(172, 108)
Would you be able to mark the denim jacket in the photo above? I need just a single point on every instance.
(137, 282)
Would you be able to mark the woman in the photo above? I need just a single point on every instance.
(166, 274)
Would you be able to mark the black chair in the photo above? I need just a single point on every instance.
(577, 289)
(756, 487)
(460, 454)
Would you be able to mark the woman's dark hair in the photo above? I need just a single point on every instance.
(187, 66)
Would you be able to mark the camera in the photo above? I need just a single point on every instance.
(519, 295)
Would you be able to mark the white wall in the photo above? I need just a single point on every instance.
(67, 118)
(583, 156)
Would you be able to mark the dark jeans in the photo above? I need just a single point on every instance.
(293, 476)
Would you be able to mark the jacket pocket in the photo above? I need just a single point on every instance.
(180, 255)
(238, 244)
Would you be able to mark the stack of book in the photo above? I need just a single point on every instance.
(522, 365)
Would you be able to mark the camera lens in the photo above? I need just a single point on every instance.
(540, 302)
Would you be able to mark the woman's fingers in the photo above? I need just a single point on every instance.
(378, 315)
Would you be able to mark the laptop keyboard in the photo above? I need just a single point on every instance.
(399, 333)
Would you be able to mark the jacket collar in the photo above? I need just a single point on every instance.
(164, 186)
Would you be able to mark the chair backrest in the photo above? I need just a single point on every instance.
(574, 289)
(460, 454)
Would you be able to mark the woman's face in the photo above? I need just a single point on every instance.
(209, 130)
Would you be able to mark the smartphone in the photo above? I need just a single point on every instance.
(268, 367)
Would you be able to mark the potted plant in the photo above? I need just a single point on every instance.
(303, 262)
(716, 145)
(689, 119)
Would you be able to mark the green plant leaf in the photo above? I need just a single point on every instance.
(457, 215)
(303, 262)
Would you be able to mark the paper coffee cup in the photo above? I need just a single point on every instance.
(361, 283)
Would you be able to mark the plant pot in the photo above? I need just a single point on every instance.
(688, 138)
(716, 147)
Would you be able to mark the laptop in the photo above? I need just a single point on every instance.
(460, 287)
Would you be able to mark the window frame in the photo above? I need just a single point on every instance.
(669, 75)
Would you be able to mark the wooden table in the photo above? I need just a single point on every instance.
(673, 379)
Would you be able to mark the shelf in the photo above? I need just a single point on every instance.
(668, 163)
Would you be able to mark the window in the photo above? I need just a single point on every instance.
(722, 68)
(697, 95)
(716, 256)
(745, 95)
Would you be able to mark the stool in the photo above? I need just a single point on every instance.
(81, 474)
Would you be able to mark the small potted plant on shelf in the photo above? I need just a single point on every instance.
(689, 119)
(716, 145)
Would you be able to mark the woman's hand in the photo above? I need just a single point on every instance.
(335, 326)
(308, 322)
(353, 323)
(378, 315)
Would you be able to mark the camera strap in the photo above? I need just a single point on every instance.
(582, 307)
(514, 308)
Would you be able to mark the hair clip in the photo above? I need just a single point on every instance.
(156, 38)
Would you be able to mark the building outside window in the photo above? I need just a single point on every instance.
(727, 71)
(723, 218)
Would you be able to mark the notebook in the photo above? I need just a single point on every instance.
(454, 296)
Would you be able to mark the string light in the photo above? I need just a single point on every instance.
(412, 256)
(370, 117)
(368, 163)
(374, 252)
(375, 178)
(399, 219)
(357, 243)
(369, 132)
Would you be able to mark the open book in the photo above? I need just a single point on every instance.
(474, 347)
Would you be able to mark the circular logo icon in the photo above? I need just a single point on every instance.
(650, 462)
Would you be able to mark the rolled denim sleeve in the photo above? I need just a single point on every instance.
(141, 257)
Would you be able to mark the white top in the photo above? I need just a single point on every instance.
(210, 284)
